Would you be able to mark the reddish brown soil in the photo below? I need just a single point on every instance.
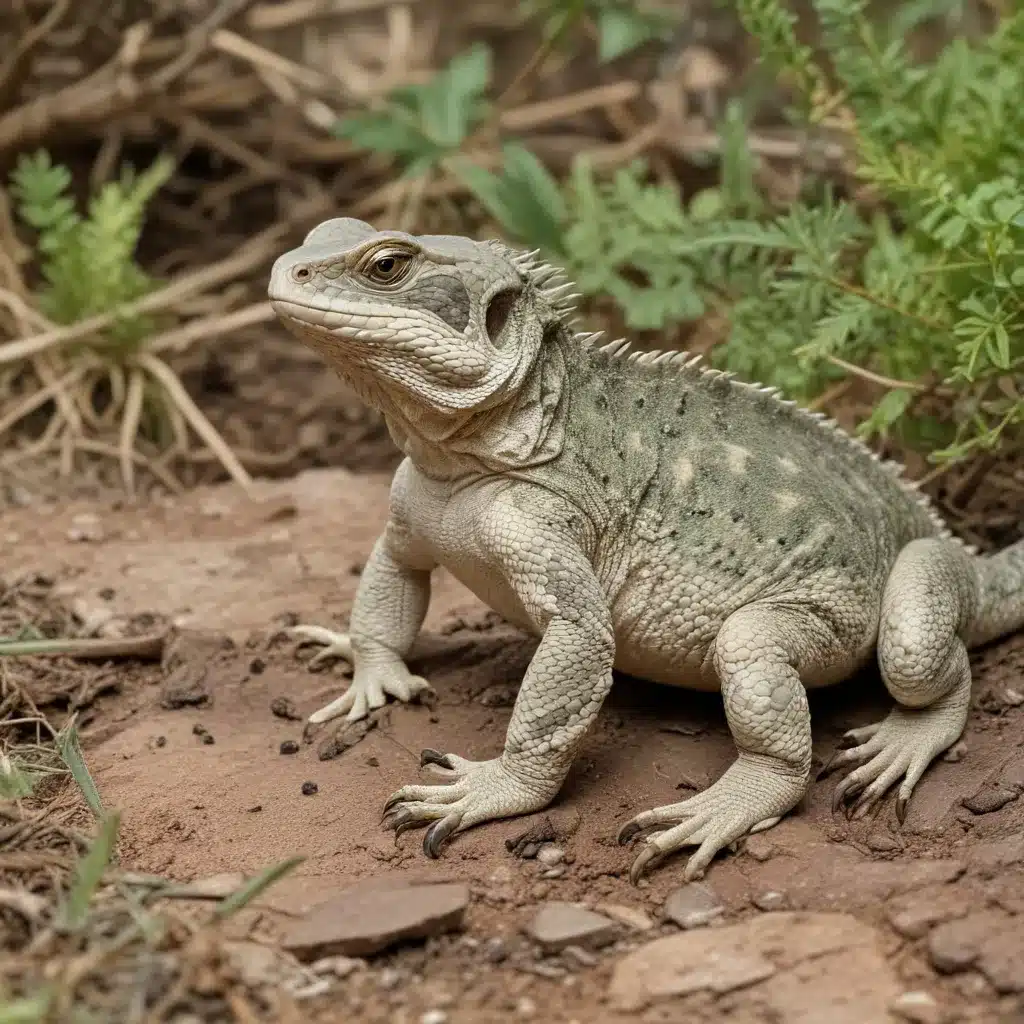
(220, 567)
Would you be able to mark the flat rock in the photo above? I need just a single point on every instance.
(801, 968)
(365, 920)
(693, 905)
(843, 879)
(956, 945)
(915, 914)
(631, 917)
(558, 925)
(989, 799)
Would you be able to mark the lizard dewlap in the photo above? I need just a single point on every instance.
(636, 511)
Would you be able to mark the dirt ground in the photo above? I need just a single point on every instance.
(933, 907)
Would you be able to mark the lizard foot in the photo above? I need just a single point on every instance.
(475, 791)
(900, 747)
(751, 796)
(371, 685)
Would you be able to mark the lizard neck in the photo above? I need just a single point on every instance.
(519, 427)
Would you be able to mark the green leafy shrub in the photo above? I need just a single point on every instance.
(88, 263)
(921, 290)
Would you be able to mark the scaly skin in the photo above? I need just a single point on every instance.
(639, 513)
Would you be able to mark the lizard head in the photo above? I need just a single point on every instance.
(436, 323)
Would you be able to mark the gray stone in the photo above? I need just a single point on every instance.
(365, 920)
(631, 917)
(780, 966)
(770, 900)
(916, 1007)
(693, 905)
(558, 925)
(989, 799)
(550, 855)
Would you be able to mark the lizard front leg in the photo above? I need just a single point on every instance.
(760, 655)
(563, 689)
(390, 605)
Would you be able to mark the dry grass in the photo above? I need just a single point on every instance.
(242, 96)
(82, 939)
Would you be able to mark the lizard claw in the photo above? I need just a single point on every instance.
(429, 756)
(749, 797)
(649, 856)
(900, 747)
(628, 832)
(474, 791)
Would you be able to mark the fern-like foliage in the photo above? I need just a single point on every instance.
(931, 289)
(88, 263)
(420, 125)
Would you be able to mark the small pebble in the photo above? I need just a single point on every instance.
(389, 978)
(434, 1017)
(693, 905)
(495, 951)
(582, 956)
(916, 1007)
(203, 733)
(256, 666)
(770, 900)
(550, 855)
(282, 707)
(526, 1007)
(289, 747)
(309, 788)
(883, 842)
(161, 741)
(990, 799)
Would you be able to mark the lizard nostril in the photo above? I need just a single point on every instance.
(301, 272)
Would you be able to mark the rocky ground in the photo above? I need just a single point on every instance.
(533, 919)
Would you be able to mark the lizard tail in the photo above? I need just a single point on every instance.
(1000, 593)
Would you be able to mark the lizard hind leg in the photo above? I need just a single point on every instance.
(928, 605)
(759, 654)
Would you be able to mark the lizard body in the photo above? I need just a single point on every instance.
(637, 512)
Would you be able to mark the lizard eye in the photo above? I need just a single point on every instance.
(388, 268)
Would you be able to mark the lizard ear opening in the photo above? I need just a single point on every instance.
(498, 311)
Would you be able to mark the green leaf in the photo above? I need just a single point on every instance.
(70, 750)
(620, 30)
(252, 887)
(523, 198)
(88, 874)
(885, 414)
(422, 124)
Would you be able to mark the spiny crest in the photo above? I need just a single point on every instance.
(553, 283)
(619, 351)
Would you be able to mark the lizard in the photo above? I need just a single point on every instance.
(637, 511)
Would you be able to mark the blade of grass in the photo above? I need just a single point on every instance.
(250, 889)
(32, 1009)
(89, 873)
(70, 751)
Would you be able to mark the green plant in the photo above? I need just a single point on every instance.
(928, 291)
(419, 125)
(921, 293)
(621, 25)
(89, 272)
(88, 263)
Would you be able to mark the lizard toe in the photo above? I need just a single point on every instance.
(900, 747)
(748, 797)
(476, 791)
